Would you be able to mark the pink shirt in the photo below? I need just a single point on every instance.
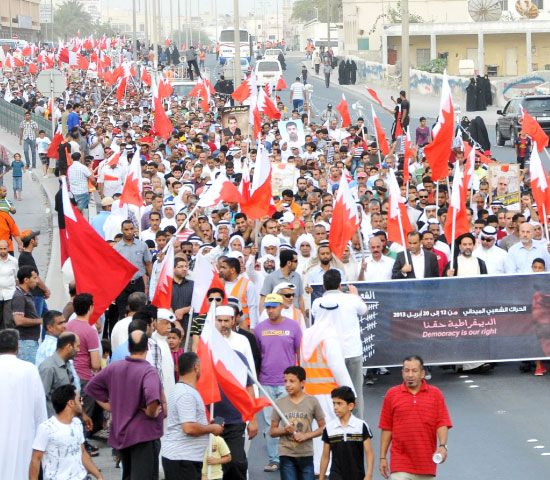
(89, 342)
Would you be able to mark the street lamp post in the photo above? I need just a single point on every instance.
(134, 31)
(237, 40)
(405, 79)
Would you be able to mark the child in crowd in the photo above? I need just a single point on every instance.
(347, 441)
(174, 342)
(296, 442)
(17, 169)
(42, 145)
(220, 456)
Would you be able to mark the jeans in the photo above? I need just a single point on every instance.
(275, 392)
(27, 350)
(82, 200)
(355, 370)
(141, 461)
(297, 104)
(40, 305)
(296, 468)
(17, 184)
(29, 143)
(327, 80)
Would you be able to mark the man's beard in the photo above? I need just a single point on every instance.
(325, 261)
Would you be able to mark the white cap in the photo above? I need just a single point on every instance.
(225, 310)
(165, 314)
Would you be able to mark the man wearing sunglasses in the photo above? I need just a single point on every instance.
(493, 256)
(213, 295)
(287, 291)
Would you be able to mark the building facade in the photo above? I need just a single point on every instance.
(19, 19)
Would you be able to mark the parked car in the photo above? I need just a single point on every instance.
(228, 69)
(272, 53)
(509, 122)
(268, 71)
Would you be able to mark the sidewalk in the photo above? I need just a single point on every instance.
(421, 105)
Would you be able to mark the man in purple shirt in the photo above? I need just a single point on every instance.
(279, 340)
(132, 391)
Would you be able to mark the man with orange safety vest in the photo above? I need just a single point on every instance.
(237, 285)
(322, 358)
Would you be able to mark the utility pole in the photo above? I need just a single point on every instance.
(237, 40)
(179, 24)
(134, 31)
(328, 25)
(405, 73)
(171, 20)
(186, 24)
(146, 25)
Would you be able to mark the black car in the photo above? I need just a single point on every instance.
(509, 123)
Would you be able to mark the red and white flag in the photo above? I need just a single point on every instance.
(205, 278)
(132, 189)
(539, 185)
(263, 106)
(222, 369)
(221, 190)
(281, 84)
(381, 139)
(343, 110)
(531, 127)
(163, 291)
(91, 257)
(457, 216)
(375, 96)
(345, 219)
(437, 152)
(245, 90)
(162, 125)
(259, 204)
(399, 225)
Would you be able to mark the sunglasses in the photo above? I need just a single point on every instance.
(217, 299)
(422, 196)
(288, 295)
(487, 239)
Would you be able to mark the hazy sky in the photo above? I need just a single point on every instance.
(224, 6)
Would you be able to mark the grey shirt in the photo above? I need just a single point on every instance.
(54, 372)
(136, 253)
(276, 277)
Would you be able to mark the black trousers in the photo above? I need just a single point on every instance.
(137, 285)
(181, 469)
(141, 461)
(233, 435)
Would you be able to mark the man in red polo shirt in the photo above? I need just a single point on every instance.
(415, 421)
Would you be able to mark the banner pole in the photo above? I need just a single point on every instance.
(266, 395)
(545, 222)
(402, 236)
(453, 229)
(186, 346)
(209, 472)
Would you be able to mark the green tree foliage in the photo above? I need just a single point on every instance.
(307, 10)
(70, 18)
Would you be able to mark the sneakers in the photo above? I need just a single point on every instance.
(383, 371)
(428, 375)
(369, 379)
(92, 450)
(540, 370)
(271, 467)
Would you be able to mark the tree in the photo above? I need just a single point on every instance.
(394, 15)
(70, 19)
(307, 10)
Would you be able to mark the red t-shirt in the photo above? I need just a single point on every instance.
(89, 342)
(413, 421)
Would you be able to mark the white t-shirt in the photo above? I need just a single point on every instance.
(43, 144)
(297, 90)
(61, 444)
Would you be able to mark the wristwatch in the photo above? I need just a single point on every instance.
(444, 445)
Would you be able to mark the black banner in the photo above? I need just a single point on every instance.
(455, 320)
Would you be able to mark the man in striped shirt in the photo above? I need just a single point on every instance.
(28, 130)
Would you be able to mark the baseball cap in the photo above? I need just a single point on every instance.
(29, 234)
(273, 300)
(106, 201)
(165, 314)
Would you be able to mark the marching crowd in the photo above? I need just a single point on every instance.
(134, 373)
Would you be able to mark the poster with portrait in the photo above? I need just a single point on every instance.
(504, 181)
(234, 120)
(292, 133)
(283, 177)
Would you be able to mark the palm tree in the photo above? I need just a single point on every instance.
(71, 19)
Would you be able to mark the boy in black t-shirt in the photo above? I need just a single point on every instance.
(347, 440)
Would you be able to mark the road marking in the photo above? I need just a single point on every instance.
(474, 386)
(532, 440)
(501, 412)
(468, 381)
(539, 446)
(545, 454)
(463, 376)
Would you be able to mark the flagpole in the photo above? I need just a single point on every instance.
(209, 473)
(186, 346)
(545, 221)
(402, 237)
(266, 395)
(453, 233)
(361, 237)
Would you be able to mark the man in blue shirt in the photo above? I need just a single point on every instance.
(521, 255)
(99, 220)
(73, 119)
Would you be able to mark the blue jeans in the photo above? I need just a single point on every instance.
(17, 184)
(296, 468)
(82, 200)
(28, 143)
(297, 104)
(272, 444)
(27, 350)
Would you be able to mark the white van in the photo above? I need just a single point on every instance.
(272, 53)
(268, 71)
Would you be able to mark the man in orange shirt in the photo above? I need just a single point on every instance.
(9, 230)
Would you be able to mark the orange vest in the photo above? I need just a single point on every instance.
(319, 378)
(239, 291)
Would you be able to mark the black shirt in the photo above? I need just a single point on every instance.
(182, 294)
(26, 258)
(23, 303)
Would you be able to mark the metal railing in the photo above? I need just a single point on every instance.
(11, 116)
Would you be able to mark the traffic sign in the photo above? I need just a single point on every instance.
(51, 80)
